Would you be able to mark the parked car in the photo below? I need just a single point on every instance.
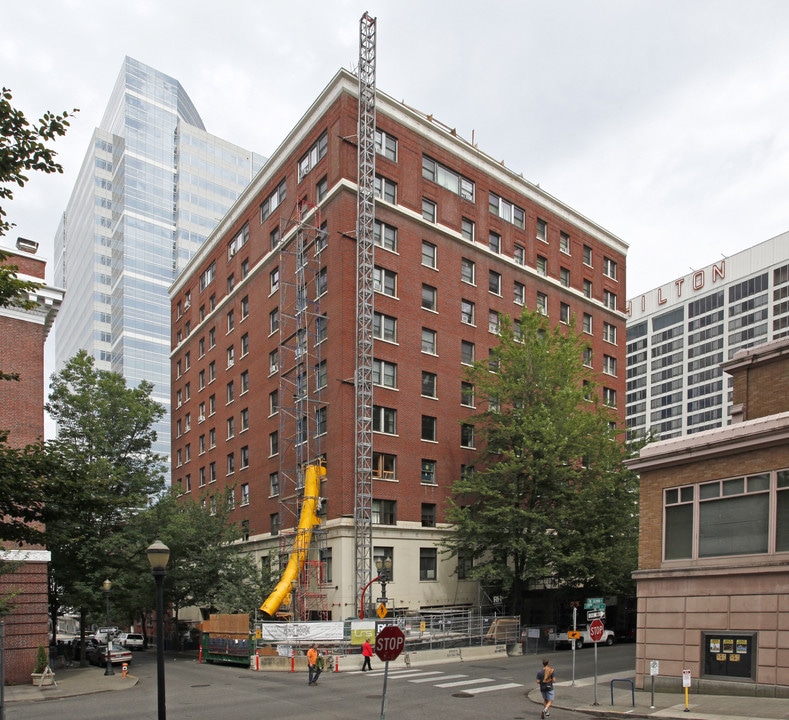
(97, 655)
(132, 641)
(90, 645)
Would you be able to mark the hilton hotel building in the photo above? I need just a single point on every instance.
(679, 334)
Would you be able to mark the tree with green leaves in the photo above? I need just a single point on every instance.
(549, 497)
(106, 474)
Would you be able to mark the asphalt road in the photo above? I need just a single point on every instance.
(494, 688)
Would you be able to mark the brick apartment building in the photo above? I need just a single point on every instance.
(713, 571)
(22, 337)
(264, 337)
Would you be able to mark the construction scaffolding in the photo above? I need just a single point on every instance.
(301, 278)
(363, 532)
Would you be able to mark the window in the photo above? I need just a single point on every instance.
(231, 356)
(231, 321)
(245, 494)
(542, 230)
(244, 457)
(428, 384)
(564, 313)
(467, 271)
(231, 463)
(467, 229)
(429, 428)
(609, 333)
(587, 255)
(542, 303)
(385, 145)
(587, 357)
(446, 178)
(244, 344)
(609, 397)
(519, 293)
(201, 445)
(385, 189)
(244, 415)
(274, 279)
(273, 402)
(494, 282)
(564, 277)
(385, 236)
(201, 379)
(384, 466)
(466, 393)
(321, 328)
(467, 312)
(384, 420)
(564, 242)
(321, 418)
(385, 281)
(274, 523)
(231, 283)
(244, 268)
(273, 361)
(467, 435)
(245, 307)
(244, 381)
(321, 281)
(494, 323)
(321, 188)
(211, 338)
(465, 565)
(384, 373)
(428, 341)
(542, 265)
(587, 323)
(466, 352)
(384, 327)
(428, 210)
(212, 404)
(609, 365)
(609, 299)
(212, 472)
(609, 268)
(321, 375)
(588, 288)
(273, 484)
(429, 472)
(384, 512)
(201, 347)
(274, 237)
(428, 562)
(231, 392)
(273, 320)
(428, 515)
(272, 201)
(231, 425)
(273, 443)
(207, 276)
(494, 242)
(507, 211)
(212, 438)
(201, 476)
(429, 254)
(311, 158)
(429, 295)
(519, 254)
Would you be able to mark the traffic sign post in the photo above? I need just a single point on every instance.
(389, 643)
(596, 632)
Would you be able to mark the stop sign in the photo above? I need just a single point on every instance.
(596, 630)
(389, 643)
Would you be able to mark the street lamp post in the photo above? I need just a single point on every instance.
(107, 585)
(384, 568)
(158, 555)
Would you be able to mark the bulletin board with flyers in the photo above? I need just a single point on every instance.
(728, 654)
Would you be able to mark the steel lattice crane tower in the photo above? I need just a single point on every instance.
(363, 528)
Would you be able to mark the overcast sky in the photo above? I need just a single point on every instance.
(664, 121)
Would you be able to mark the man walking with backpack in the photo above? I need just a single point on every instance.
(545, 678)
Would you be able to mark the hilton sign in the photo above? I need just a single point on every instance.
(693, 283)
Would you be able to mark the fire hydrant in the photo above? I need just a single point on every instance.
(124, 670)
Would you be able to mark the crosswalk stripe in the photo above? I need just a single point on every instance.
(489, 688)
(471, 681)
(443, 677)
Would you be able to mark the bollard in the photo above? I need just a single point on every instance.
(124, 670)
(200, 654)
(292, 660)
(336, 663)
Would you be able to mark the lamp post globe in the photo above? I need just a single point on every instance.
(158, 557)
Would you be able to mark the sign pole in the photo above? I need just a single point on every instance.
(595, 674)
(575, 627)
(383, 697)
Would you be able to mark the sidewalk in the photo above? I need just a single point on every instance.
(70, 682)
(581, 698)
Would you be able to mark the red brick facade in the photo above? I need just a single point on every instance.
(22, 337)
(569, 239)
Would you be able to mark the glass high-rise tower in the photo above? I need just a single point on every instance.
(151, 188)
